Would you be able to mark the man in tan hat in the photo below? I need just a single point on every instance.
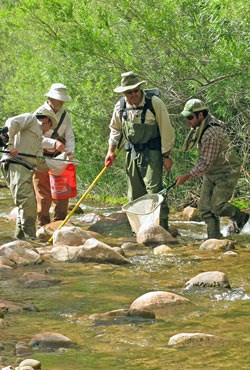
(145, 125)
(61, 139)
(219, 165)
(25, 136)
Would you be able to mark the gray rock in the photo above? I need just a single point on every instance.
(159, 302)
(50, 340)
(35, 364)
(9, 306)
(191, 338)
(37, 280)
(154, 235)
(208, 279)
(217, 244)
(20, 252)
(70, 236)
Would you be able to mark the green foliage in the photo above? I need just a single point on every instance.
(187, 49)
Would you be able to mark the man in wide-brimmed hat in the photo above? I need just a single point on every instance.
(218, 164)
(144, 123)
(25, 136)
(60, 139)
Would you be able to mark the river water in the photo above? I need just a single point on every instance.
(124, 342)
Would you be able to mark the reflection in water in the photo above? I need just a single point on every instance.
(122, 343)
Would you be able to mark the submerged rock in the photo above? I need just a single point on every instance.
(50, 340)
(159, 302)
(37, 280)
(11, 306)
(217, 244)
(191, 338)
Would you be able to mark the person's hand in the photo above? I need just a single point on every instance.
(59, 146)
(70, 155)
(181, 179)
(110, 158)
(14, 152)
(167, 164)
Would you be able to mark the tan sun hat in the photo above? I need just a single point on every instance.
(44, 112)
(193, 105)
(58, 91)
(129, 81)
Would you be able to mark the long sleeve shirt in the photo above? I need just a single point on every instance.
(65, 131)
(25, 135)
(215, 154)
(161, 117)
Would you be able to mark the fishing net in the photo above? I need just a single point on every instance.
(144, 211)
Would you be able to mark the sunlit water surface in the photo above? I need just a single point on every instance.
(133, 343)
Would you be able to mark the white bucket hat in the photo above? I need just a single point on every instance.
(58, 91)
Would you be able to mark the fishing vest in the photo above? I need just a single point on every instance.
(227, 159)
(140, 135)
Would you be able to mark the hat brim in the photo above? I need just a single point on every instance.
(122, 89)
(61, 97)
(186, 113)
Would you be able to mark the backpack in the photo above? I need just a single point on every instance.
(149, 93)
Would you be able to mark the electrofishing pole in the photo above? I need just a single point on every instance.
(41, 157)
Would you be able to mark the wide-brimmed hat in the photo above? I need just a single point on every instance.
(58, 91)
(129, 81)
(42, 112)
(193, 105)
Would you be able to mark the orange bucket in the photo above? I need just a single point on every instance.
(63, 186)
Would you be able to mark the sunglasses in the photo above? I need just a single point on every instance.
(189, 118)
(129, 92)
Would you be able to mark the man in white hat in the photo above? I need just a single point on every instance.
(146, 127)
(25, 136)
(218, 164)
(61, 139)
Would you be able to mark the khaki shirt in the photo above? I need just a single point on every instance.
(161, 117)
(25, 135)
(64, 131)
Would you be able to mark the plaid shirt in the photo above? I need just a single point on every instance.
(209, 149)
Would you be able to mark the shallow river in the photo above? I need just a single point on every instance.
(132, 343)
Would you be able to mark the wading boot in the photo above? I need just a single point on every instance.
(237, 225)
(213, 228)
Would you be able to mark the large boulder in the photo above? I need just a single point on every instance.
(20, 252)
(94, 250)
(91, 251)
(45, 232)
(159, 302)
(70, 235)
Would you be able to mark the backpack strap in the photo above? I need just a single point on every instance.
(211, 124)
(148, 105)
(54, 135)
